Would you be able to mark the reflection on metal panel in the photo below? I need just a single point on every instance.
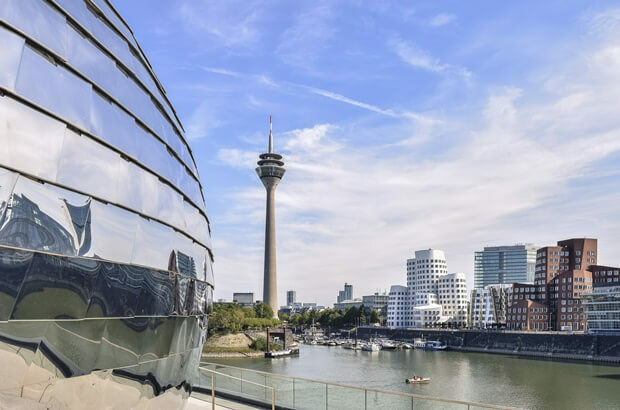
(77, 169)
(34, 70)
(66, 157)
(46, 286)
(30, 153)
(48, 218)
(38, 20)
(10, 57)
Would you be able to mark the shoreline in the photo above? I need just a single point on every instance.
(210, 355)
(540, 355)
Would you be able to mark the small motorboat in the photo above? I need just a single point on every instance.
(418, 380)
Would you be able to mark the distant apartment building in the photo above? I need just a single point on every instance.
(488, 307)
(398, 308)
(602, 305)
(346, 294)
(496, 265)
(291, 297)
(432, 296)
(244, 298)
(345, 304)
(553, 301)
(377, 301)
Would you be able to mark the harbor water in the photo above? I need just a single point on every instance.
(476, 377)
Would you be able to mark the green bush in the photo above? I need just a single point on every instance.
(260, 344)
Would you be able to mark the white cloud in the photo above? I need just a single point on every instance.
(222, 71)
(354, 213)
(202, 121)
(419, 58)
(233, 23)
(304, 41)
(369, 107)
(442, 19)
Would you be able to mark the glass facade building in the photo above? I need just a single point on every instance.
(105, 254)
(496, 265)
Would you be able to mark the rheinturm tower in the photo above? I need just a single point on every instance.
(270, 171)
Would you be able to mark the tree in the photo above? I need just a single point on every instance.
(374, 317)
(283, 316)
(248, 312)
(263, 310)
(351, 315)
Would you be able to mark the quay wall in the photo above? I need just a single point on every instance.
(575, 346)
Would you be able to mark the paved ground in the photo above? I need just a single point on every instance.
(203, 402)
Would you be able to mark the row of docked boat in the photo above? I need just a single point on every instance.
(374, 345)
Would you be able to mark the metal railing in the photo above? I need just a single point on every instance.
(214, 387)
(291, 392)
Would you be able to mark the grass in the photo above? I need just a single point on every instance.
(217, 349)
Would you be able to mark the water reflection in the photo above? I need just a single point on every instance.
(477, 377)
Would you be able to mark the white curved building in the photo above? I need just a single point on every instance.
(432, 295)
(105, 250)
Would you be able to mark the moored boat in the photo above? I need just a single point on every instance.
(371, 347)
(434, 345)
(419, 344)
(388, 345)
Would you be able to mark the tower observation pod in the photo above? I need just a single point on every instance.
(270, 171)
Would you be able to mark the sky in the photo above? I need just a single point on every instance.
(403, 125)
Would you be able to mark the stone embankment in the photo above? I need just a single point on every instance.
(550, 345)
(230, 345)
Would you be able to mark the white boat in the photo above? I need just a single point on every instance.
(406, 346)
(388, 345)
(371, 347)
(281, 353)
(434, 345)
(418, 380)
(419, 344)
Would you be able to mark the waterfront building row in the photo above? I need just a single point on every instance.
(563, 275)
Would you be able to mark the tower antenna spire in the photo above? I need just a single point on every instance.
(270, 136)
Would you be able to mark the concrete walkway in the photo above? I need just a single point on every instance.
(203, 402)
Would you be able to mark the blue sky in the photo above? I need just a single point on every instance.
(403, 125)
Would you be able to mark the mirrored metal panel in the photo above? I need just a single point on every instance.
(77, 169)
(38, 20)
(10, 56)
(24, 126)
(34, 70)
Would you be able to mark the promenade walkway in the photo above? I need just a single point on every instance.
(200, 401)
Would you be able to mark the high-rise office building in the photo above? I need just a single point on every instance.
(346, 294)
(291, 297)
(497, 265)
(105, 249)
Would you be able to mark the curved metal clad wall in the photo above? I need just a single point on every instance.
(105, 251)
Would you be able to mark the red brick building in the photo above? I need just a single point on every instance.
(553, 302)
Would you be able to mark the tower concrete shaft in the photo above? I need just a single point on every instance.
(270, 170)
